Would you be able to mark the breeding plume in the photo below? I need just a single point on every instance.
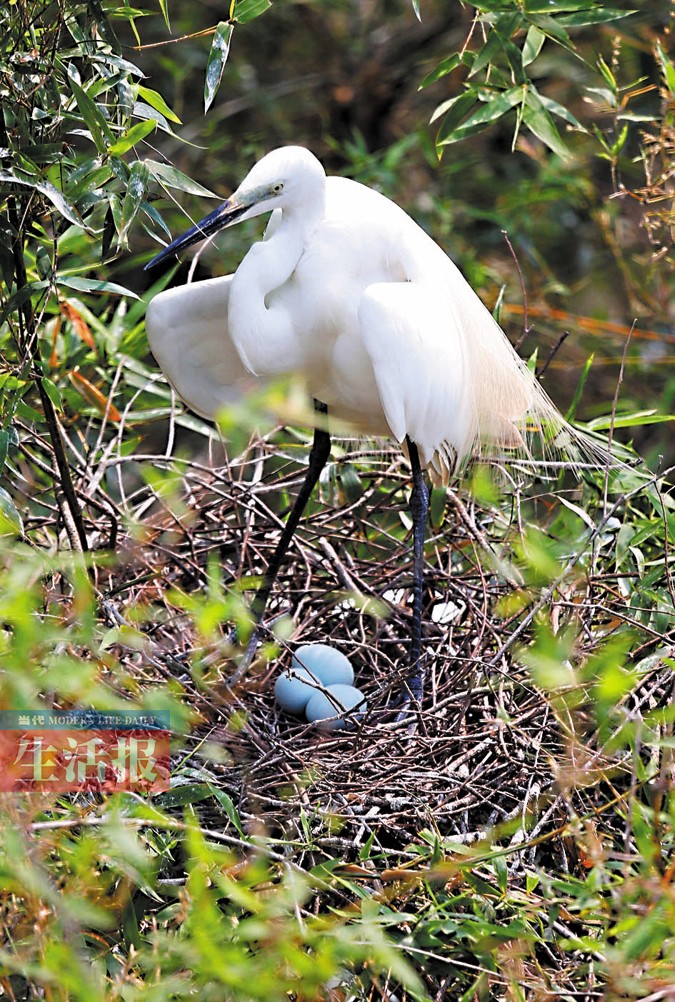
(347, 290)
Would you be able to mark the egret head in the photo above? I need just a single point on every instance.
(284, 179)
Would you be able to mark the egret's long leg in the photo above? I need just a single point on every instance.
(317, 460)
(419, 509)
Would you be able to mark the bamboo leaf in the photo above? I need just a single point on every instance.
(445, 66)
(554, 108)
(136, 192)
(171, 177)
(534, 41)
(540, 123)
(248, 10)
(599, 15)
(667, 68)
(53, 392)
(46, 188)
(93, 285)
(456, 110)
(156, 101)
(10, 519)
(101, 133)
(132, 136)
(491, 111)
(220, 48)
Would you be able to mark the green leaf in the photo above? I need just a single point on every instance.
(607, 74)
(144, 111)
(226, 802)
(533, 44)
(455, 110)
(667, 68)
(46, 188)
(488, 52)
(163, 6)
(504, 27)
(446, 66)
(179, 796)
(220, 48)
(132, 136)
(53, 392)
(93, 285)
(552, 29)
(156, 101)
(556, 6)
(101, 133)
(171, 177)
(539, 122)
(437, 502)
(248, 10)
(10, 520)
(599, 15)
(466, 100)
(136, 192)
(558, 109)
(490, 112)
(637, 419)
(4, 447)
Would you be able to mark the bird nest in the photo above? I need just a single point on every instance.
(484, 749)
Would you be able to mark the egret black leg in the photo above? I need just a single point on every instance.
(419, 508)
(317, 460)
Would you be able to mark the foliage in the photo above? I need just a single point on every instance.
(521, 845)
(510, 38)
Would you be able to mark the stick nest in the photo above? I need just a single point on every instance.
(487, 747)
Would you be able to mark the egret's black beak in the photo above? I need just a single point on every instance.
(228, 212)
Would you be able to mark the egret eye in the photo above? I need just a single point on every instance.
(278, 187)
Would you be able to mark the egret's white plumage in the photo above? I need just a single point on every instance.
(347, 290)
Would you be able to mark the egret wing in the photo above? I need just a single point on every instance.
(420, 365)
(188, 333)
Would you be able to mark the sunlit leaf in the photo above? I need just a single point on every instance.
(136, 192)
(93, 285)
(46, 188)
(533, 44)
(171, 177)
(637, 419)
(132, 136)
(220, 48)
(156, 101)
(599, 15)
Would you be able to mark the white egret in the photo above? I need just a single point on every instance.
(347, 290)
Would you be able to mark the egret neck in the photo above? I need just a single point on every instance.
(261, 326)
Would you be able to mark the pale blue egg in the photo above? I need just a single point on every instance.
(324, 710)
(294, 688)
(329, 665)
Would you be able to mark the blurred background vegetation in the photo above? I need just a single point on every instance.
(521, 848)
(592, 231)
